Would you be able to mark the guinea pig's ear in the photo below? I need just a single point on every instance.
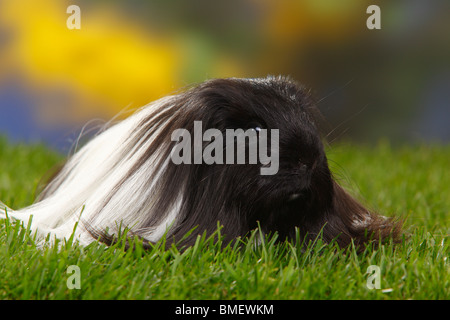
(349, 221)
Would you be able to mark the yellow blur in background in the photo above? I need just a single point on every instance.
(112, 61)
(107, 64)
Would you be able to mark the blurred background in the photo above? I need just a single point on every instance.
(391, 83)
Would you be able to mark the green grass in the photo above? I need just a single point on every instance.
(411, 181)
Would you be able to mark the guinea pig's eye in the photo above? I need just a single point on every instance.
(255, 127)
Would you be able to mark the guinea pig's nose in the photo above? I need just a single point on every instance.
(301, 169)
(302, 166)
(307, 166)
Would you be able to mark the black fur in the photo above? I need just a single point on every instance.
(239, 197)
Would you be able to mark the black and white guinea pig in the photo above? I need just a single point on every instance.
(126, 177)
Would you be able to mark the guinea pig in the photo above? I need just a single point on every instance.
(126, 175)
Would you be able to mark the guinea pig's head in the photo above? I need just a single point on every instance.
(301, 181)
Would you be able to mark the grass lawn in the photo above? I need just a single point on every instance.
(411, 181)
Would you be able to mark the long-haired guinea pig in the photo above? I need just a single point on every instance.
(127, 176)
